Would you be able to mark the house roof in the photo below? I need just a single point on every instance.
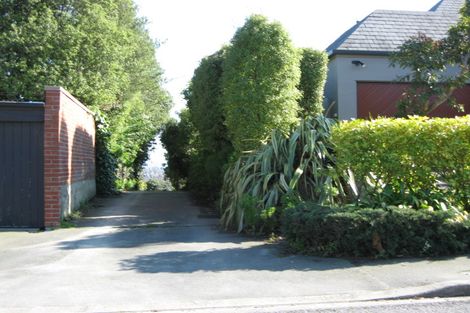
(383, 31)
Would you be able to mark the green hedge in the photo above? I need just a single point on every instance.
(313, 68)
(365, 232)
(407, 157)
(260, 75)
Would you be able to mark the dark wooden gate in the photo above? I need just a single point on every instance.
(21, 164)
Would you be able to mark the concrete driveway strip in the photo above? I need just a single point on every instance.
(152, 251)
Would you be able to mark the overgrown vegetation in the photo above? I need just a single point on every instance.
(101, 52)
(235, 99)
(159, 185)
(176, 138)
(140, 184)
(105, 160)
(211, 145)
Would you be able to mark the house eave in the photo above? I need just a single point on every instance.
(358, 52)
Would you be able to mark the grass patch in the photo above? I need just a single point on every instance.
(70, 220)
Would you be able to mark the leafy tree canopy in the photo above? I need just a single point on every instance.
(100, 51)
(430, 61)
(176, 138)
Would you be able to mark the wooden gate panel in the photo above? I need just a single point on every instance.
(21, 164)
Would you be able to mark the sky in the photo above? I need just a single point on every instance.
(190, 30)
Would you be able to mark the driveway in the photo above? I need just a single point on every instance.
(155, 251)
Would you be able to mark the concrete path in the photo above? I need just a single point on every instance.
(152, 251)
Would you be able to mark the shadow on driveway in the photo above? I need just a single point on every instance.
(258, 258)
(163, 233)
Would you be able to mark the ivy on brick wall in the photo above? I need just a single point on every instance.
(106, 162)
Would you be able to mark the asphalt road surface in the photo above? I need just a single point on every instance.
(147, 252)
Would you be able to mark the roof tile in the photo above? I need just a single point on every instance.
(385, 31)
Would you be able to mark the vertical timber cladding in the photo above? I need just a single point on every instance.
(21, 164)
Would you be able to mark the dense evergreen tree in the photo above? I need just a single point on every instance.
(261, 74)
(313, 68)
(213, 147)
(236, 98)
(177, 138)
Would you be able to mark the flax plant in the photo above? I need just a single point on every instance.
(301, 164)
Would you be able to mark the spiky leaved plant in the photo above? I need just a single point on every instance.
(300, 164)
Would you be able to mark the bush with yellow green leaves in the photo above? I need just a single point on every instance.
(418, 161)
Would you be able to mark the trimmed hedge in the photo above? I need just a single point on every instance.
(407, 158)
(313, 68)
(365, 232)
(260, 75)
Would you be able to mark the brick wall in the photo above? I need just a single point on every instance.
(69, 155)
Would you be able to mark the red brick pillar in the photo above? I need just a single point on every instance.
(69, 155)
(52, 159)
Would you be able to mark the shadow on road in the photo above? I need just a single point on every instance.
(159, 235)
(258, 258)
(165, 234)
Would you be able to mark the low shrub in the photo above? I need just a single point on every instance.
(417, 161)
(159, 185)
(129, 184)
(366, 232)
(141, 185)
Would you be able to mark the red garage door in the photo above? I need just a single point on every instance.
(380, 99)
